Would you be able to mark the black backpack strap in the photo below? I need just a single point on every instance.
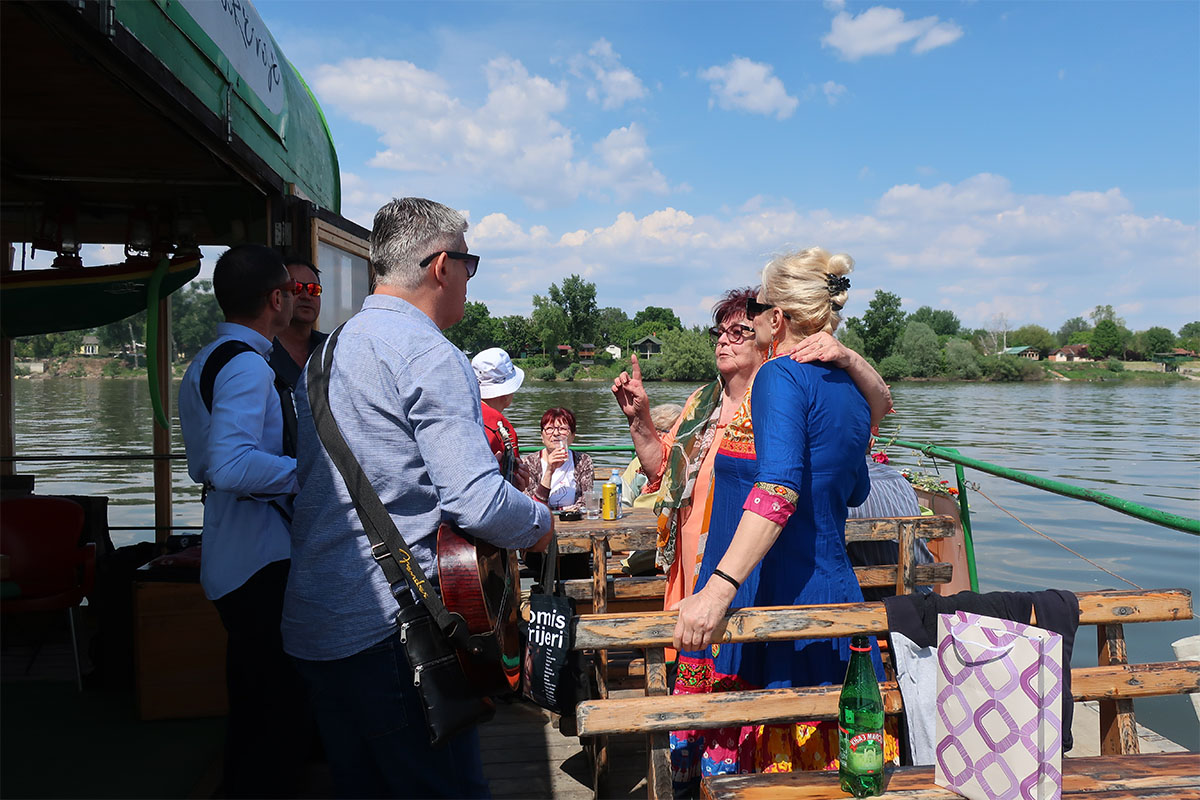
(287, 406)
(399, 565)
(217, 360)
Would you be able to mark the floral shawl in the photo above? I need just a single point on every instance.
(683, 462)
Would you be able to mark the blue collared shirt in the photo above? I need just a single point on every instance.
(237, 451)
(407, 402)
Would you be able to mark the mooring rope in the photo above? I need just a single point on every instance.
(978, 490)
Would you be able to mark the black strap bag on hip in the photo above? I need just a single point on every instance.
(431, 634)
(551, 672)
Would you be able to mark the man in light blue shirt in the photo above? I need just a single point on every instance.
(233, 433)
(407, 403)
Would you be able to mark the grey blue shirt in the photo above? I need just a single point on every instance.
(237, 452)
(407, 402)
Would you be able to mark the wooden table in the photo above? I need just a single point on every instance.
(636, 530)
(1130, 777)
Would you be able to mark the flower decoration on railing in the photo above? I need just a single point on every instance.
(880, 457)
(929, 483)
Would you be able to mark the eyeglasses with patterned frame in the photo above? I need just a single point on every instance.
(734, 334)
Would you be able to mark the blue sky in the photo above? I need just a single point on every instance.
(1026, 159)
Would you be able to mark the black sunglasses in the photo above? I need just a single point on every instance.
(735, 334)
(470, 260)
(754, 308)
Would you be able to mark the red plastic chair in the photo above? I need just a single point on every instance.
(51, 571)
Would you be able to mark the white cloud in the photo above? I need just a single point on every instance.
(514, 140)
(746, 85)
(978, 247)
(833, 91)
(624, 164)
(880, 31)
(614, 83)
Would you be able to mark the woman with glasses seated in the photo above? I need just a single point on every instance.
(788, 464)
(559, 478)
(679, 466)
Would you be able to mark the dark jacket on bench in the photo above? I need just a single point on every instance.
(915, 616)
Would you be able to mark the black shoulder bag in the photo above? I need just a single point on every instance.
(429, 632)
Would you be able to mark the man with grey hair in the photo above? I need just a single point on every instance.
(407, 403)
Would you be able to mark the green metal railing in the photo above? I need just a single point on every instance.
(586, 448)
(1164, 518)
(951, 455)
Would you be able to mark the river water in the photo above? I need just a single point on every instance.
(1140, 443)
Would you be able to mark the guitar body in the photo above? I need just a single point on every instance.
(481, 582)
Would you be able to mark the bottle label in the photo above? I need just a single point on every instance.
(861, 753)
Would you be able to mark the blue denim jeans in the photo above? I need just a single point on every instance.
(373, 728)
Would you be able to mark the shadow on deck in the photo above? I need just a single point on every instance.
(59, 742)
(524, 755)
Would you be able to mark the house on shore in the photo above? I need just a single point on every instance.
(90, 346)
(648, 346)
(1024, 352)
(1072, 352)
(613, 351)
(587, 354)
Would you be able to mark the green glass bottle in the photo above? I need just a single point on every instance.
(860, 725)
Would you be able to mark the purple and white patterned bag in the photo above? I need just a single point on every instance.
(999, 728)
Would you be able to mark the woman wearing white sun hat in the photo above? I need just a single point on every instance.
(499, 379)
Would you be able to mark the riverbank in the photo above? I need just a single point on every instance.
(84, 367)
(1086, 372)
(1137, 372)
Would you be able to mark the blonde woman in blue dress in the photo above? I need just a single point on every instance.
(788, 465)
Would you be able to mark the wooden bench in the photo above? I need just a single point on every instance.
(1114, 682)
(637, 532)
(610, 590)
(1122, 777)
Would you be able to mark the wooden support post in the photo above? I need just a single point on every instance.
(162, 438)
(600, 606)
(8, 441)
(658, 749)
(1118, 726)
(905, 560)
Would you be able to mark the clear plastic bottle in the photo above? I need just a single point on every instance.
(616, 478)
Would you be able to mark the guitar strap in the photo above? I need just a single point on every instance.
(399, 565)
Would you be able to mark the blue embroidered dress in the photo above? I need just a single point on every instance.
(803, 428)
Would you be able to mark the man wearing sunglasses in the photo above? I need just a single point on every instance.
(297, 341)
(407, 403)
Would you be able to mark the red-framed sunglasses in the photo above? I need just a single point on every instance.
(299, 288)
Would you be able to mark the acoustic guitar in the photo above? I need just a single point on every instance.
(482, 583)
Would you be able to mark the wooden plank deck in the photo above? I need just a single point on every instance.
(525, 755)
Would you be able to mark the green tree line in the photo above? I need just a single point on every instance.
(925, 343)
(568, 314)
(932, 342)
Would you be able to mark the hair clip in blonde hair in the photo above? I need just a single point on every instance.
(837, 283)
